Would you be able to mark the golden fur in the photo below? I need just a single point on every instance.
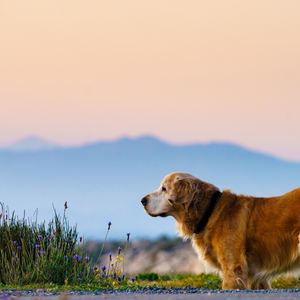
(248, 240)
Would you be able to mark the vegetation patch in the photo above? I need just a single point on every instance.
(52, 257)
(36, 254)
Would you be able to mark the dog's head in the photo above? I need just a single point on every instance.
(175, 195)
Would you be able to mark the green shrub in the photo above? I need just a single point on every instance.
(165, 277)
(148, 276)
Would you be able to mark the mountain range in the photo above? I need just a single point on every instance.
(105, 181)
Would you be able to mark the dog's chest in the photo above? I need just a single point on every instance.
(206, 255)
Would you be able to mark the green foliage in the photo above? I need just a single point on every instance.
(165, 277)
(204, 281)
(148, 276)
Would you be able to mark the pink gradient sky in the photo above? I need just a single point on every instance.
(77, 71)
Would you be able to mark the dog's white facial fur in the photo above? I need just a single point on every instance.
(160, 202)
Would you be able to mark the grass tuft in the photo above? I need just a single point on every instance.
(32, 253)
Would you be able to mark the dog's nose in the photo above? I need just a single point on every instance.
(144, 201)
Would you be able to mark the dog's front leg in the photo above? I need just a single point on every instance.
(234, 276)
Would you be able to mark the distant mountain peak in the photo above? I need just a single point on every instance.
(31, 144)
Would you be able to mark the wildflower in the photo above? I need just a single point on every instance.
(109, 223)
(76, 257)
(13, 252)
(119, 278)
(37, 246)
(87, 258)
(15, 242)
(18, 258)
(80, 258)
(103, 276)
(114, 276)
(96, 268)
(103, 268)
(43, 252)
(66, 205)
(65, 256)
(36, 263)
(128, 234)
(79, 279)
(133, 279)
(39, 252)
(123, 275)
(136, 277)
(120, 249)
(40, 236)
(80, 239)
(110, 254)
(19, 247)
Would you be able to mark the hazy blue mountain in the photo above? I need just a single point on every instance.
(105, 181)
(31, 144)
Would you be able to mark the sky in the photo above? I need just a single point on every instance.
(79, 71)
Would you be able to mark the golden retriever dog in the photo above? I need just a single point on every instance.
(247, 240)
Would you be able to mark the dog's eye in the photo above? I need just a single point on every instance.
(163, 189)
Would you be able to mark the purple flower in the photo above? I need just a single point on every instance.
(114, 276)
(36, 263)
(120, 249)
(39, 252)
(37, 246)
(109, 224)
(80, 258)
(123, 275)
(120, 278)
(103, 268)
(87, 258)
(133, 279)
(15, 242)
(80, 239)
(65, 256)
(48, 236)
(40, 236)
(43, 252)
(13, 252)
(79, 279)
(19, 247)
(128, 234)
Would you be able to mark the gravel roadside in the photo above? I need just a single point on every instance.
(155, 294)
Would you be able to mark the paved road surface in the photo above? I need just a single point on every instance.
(123, 296)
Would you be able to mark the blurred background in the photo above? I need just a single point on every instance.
(99, 100)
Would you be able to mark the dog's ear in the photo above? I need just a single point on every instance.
(184, 190)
